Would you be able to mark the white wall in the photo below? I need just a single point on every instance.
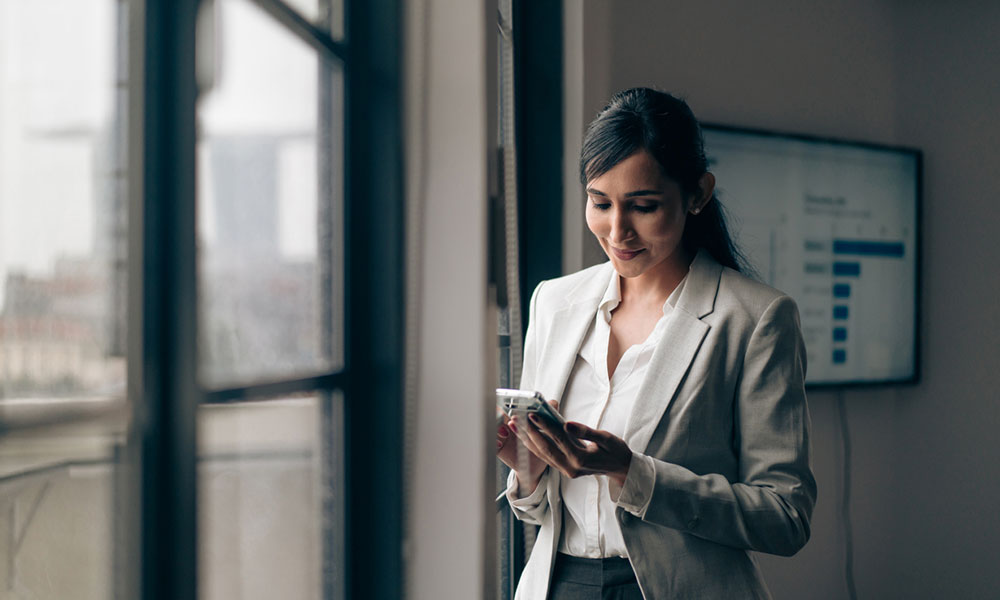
(451, 510)
(926, 474)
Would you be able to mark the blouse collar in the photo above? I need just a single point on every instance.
(613, 295)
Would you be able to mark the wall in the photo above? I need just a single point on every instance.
(450, 548)
(948, 462)
(926, 471)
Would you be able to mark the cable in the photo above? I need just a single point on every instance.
(414, 277)
(845, 502)
(510, 188)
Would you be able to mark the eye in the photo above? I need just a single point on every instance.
(645, 208)
(600, 205)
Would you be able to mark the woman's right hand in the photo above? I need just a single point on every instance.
(527, 467)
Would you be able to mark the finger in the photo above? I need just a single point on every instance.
(566, 444)
(536, 453)
(542, 446)
(552, 453)
(552, 430)
(507, 450)
(505, 436)
(543, 424)
(581, 431)
(519, 428)
(531, 430)
(530, 435)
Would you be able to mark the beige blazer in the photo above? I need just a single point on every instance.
(722, 412)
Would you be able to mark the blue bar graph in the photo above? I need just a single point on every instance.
(868, 248)
(847, 269)
(840, 334)
(841, 290)
(840, 313)
(839, 356)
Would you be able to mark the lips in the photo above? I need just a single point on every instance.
(626, 254)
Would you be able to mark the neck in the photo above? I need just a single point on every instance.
(655, 285)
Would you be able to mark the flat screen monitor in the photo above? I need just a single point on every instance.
(835, 225)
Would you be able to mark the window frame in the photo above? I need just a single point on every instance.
(362, 507)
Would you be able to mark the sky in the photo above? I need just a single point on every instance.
(57, 96)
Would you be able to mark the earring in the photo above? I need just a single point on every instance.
(695, 211)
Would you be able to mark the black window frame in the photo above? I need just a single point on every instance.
(362, 403)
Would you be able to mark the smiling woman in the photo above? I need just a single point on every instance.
(643, 121)
(638, 214)
(682, 381)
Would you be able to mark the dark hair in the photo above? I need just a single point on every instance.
(644, 119)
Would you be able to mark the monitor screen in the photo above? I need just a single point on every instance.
(834, 225)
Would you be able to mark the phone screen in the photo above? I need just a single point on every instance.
(514, 402)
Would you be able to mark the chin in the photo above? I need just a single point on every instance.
(628, 269)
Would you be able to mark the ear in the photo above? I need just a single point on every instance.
(706, 187)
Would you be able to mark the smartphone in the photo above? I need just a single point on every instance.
(513, 402)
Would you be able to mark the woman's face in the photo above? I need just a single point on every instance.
(638, 215)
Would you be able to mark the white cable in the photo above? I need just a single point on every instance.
(509, 142)
(845, 502)
(414, 217)
(510, 194)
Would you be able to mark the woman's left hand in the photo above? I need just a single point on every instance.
(577, 450)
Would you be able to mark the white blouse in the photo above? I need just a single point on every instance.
(589, 526)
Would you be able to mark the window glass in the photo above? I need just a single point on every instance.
(63, 238)
(268, 266)
(62, 201)
(59, 517)
(260, 500)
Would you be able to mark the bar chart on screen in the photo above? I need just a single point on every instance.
(834, 225)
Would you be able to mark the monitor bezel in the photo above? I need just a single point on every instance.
(918, 156)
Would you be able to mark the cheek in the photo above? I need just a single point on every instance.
(595, 222)
(668, 227)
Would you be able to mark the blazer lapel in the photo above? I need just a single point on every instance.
(667, 367)
(569, 327)
(682, 337)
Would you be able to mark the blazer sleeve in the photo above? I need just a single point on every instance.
(769, 508)
(532, 508)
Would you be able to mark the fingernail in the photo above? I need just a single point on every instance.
(533, 419)
(512, 425)
(499, 444)
(502, 431)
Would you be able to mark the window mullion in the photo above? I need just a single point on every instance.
(162, 388)
(309, 33)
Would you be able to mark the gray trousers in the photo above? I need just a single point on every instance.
(576, 578)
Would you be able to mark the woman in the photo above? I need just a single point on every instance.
(682, 379)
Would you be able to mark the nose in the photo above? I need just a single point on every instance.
(621, 226)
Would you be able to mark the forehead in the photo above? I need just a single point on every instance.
(638, 171)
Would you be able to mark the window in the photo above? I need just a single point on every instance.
(179, 231)
(63, 234)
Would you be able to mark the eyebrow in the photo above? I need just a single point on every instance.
(637, 193)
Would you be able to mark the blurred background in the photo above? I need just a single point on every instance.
(262, 263)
